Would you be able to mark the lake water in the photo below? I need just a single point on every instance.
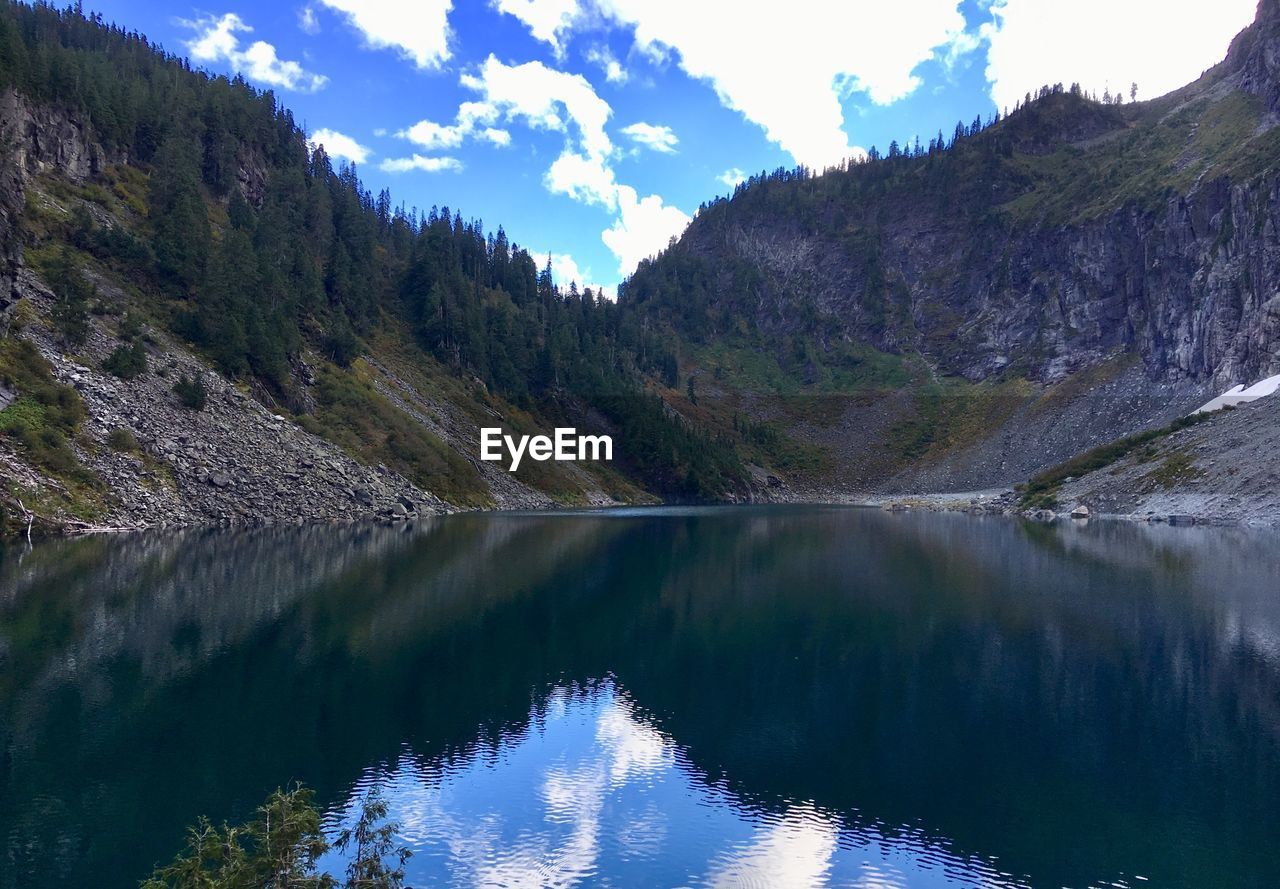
(699, 697)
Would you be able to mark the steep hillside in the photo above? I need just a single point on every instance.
(960, 315)
(163, 231)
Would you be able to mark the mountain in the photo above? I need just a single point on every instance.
(961, 315)
(167, 237)
(205, 321)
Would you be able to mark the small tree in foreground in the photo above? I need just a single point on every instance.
(281, 849)
(374, 842)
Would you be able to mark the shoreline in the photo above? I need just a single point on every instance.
(990, 502)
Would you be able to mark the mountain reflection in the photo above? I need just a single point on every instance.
(665, 697)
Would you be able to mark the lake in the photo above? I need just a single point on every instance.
(774, 696)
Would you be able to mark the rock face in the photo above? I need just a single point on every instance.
(32, 139)
(1255, 55)
(1192, 286)
(996, 276)
(41, 138)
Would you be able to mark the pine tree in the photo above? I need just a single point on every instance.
(178, 214)
(372, 842)
(72, 293)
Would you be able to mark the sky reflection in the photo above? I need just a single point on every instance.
(588, 787)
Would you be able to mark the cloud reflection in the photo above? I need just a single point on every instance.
(794, 852)
(588, 790)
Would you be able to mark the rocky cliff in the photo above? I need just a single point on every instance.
(35, 139)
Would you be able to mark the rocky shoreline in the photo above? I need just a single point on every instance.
(1007, 504)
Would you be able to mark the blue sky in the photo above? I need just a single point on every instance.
(593, 129)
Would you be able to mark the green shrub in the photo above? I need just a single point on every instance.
(25, 412)
(191, 393)
(24, 368)
(127, 361)
(130, 327)
(122, 440)
(44, 416)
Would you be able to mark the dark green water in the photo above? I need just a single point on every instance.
(733, 697)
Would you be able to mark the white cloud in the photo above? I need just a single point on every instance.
(1159, 44)
(555, 100)
(657, 137)
(732, 177)
(471, 122)
(307, 21)
(545, 98)
(644, 227)
(418, 30)
(431, 135)
(818, 51)
(961, 46)
(602, 58)
(215, 40)
(584, 178)
(545, 19)
(420, 163)
(339, 145)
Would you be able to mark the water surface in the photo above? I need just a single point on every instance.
(704, 697)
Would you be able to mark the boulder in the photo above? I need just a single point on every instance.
(1080, 512)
